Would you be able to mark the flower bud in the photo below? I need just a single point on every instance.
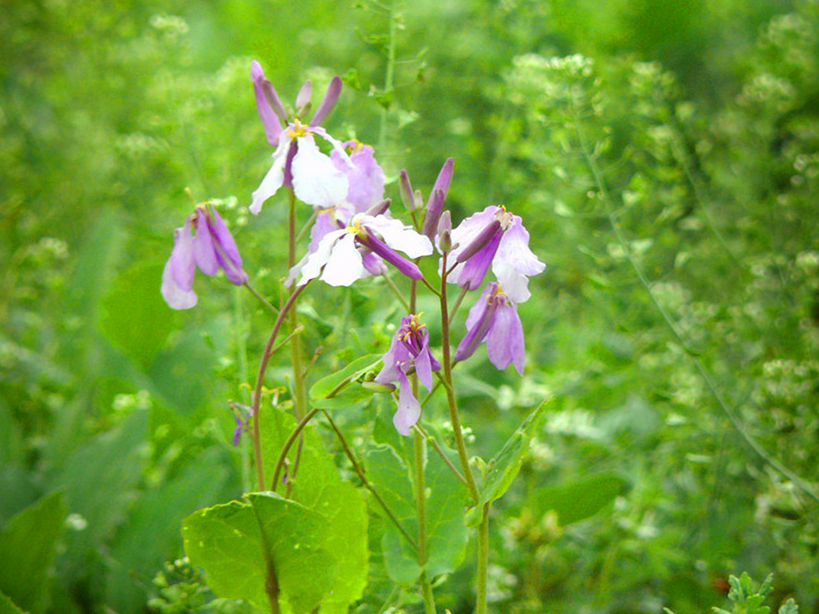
(407, 195)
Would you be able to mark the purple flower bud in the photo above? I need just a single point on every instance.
(407, 267)
(270, 108)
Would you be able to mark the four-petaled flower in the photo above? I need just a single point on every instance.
(409, 348)
(494, 319)
(344, 255)
(297, 161)
(494, 237)
(211, 248)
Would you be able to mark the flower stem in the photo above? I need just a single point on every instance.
(287, 445)
(261, 298)
(257, 391)
(454, 416)
(483, 560)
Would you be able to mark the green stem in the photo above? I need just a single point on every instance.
(446, 379)
(440, 452)
(367, 484)
(257, 391)
(261, 298)
(388, 79)
(421, 506)
(240, 328)
(287, 445)
(483, 561)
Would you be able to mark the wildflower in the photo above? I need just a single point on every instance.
(344, 255)
(364, 176)
(211, 248)
(494, 237)
(297, 161)
(409, 348)
(494, 319)
(435, 204)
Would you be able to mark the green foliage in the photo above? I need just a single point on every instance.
(28, 543)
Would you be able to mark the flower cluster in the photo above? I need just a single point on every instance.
(354, 236)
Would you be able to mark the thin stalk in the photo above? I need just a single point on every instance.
(457, 304)
(257, 391)
(367, 484)
(397, 292)
(446, 379)
(288, 444)
(240, 326)
(261, 298)
(723, 404)
(483, 561)
(440, 452)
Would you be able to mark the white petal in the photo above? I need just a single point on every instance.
(344, 266)
(274, 178)
(400, 237)
(316, 180)
(514, 284)
(514, 250)
(313, 262)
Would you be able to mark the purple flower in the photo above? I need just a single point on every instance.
(211, 248)
(494, 319)
(410, 347)
(364, 175)
(494, 237)
(348, 253)
(297, 161)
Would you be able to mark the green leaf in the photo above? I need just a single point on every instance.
(319, 487)
(342, 379)
(232, 542)
(581, 499)
(504, 467)
(447, 535)
(7, 606)
(134, 297)
(28, 544)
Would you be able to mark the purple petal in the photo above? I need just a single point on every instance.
(303, 97)
(329, 101)
(474, 270)
(407, 267)
(181, 262)
(266, 99)
(478, 323)
(176, 296)
(483, 238)
(504, 342)
(204, 253)
(227, 253)
(325, 223)
(365, 176)
(409, 409)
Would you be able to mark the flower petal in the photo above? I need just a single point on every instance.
(266, 100)
(344, 265)
(176, 296)
(274, 178)
(329, 101)
(409, 409)
(204, 253)
(177, 276)
(504, 342)
(316, 180)
(399, 236)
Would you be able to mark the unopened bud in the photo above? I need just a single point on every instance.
(407, 196)
(445, 241)
(377, 387)
(379, 208)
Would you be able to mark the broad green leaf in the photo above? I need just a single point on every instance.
(7, 606)
(581, 499)
(318, 486)
(503, 469)
(17, 491)
(389, 470)
(28, 544)
(134, 297)
(232, 543)
(342, 379)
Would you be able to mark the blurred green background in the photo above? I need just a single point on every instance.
(665, 158)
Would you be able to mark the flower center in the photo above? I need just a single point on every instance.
(296, 129)
(504, 217)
